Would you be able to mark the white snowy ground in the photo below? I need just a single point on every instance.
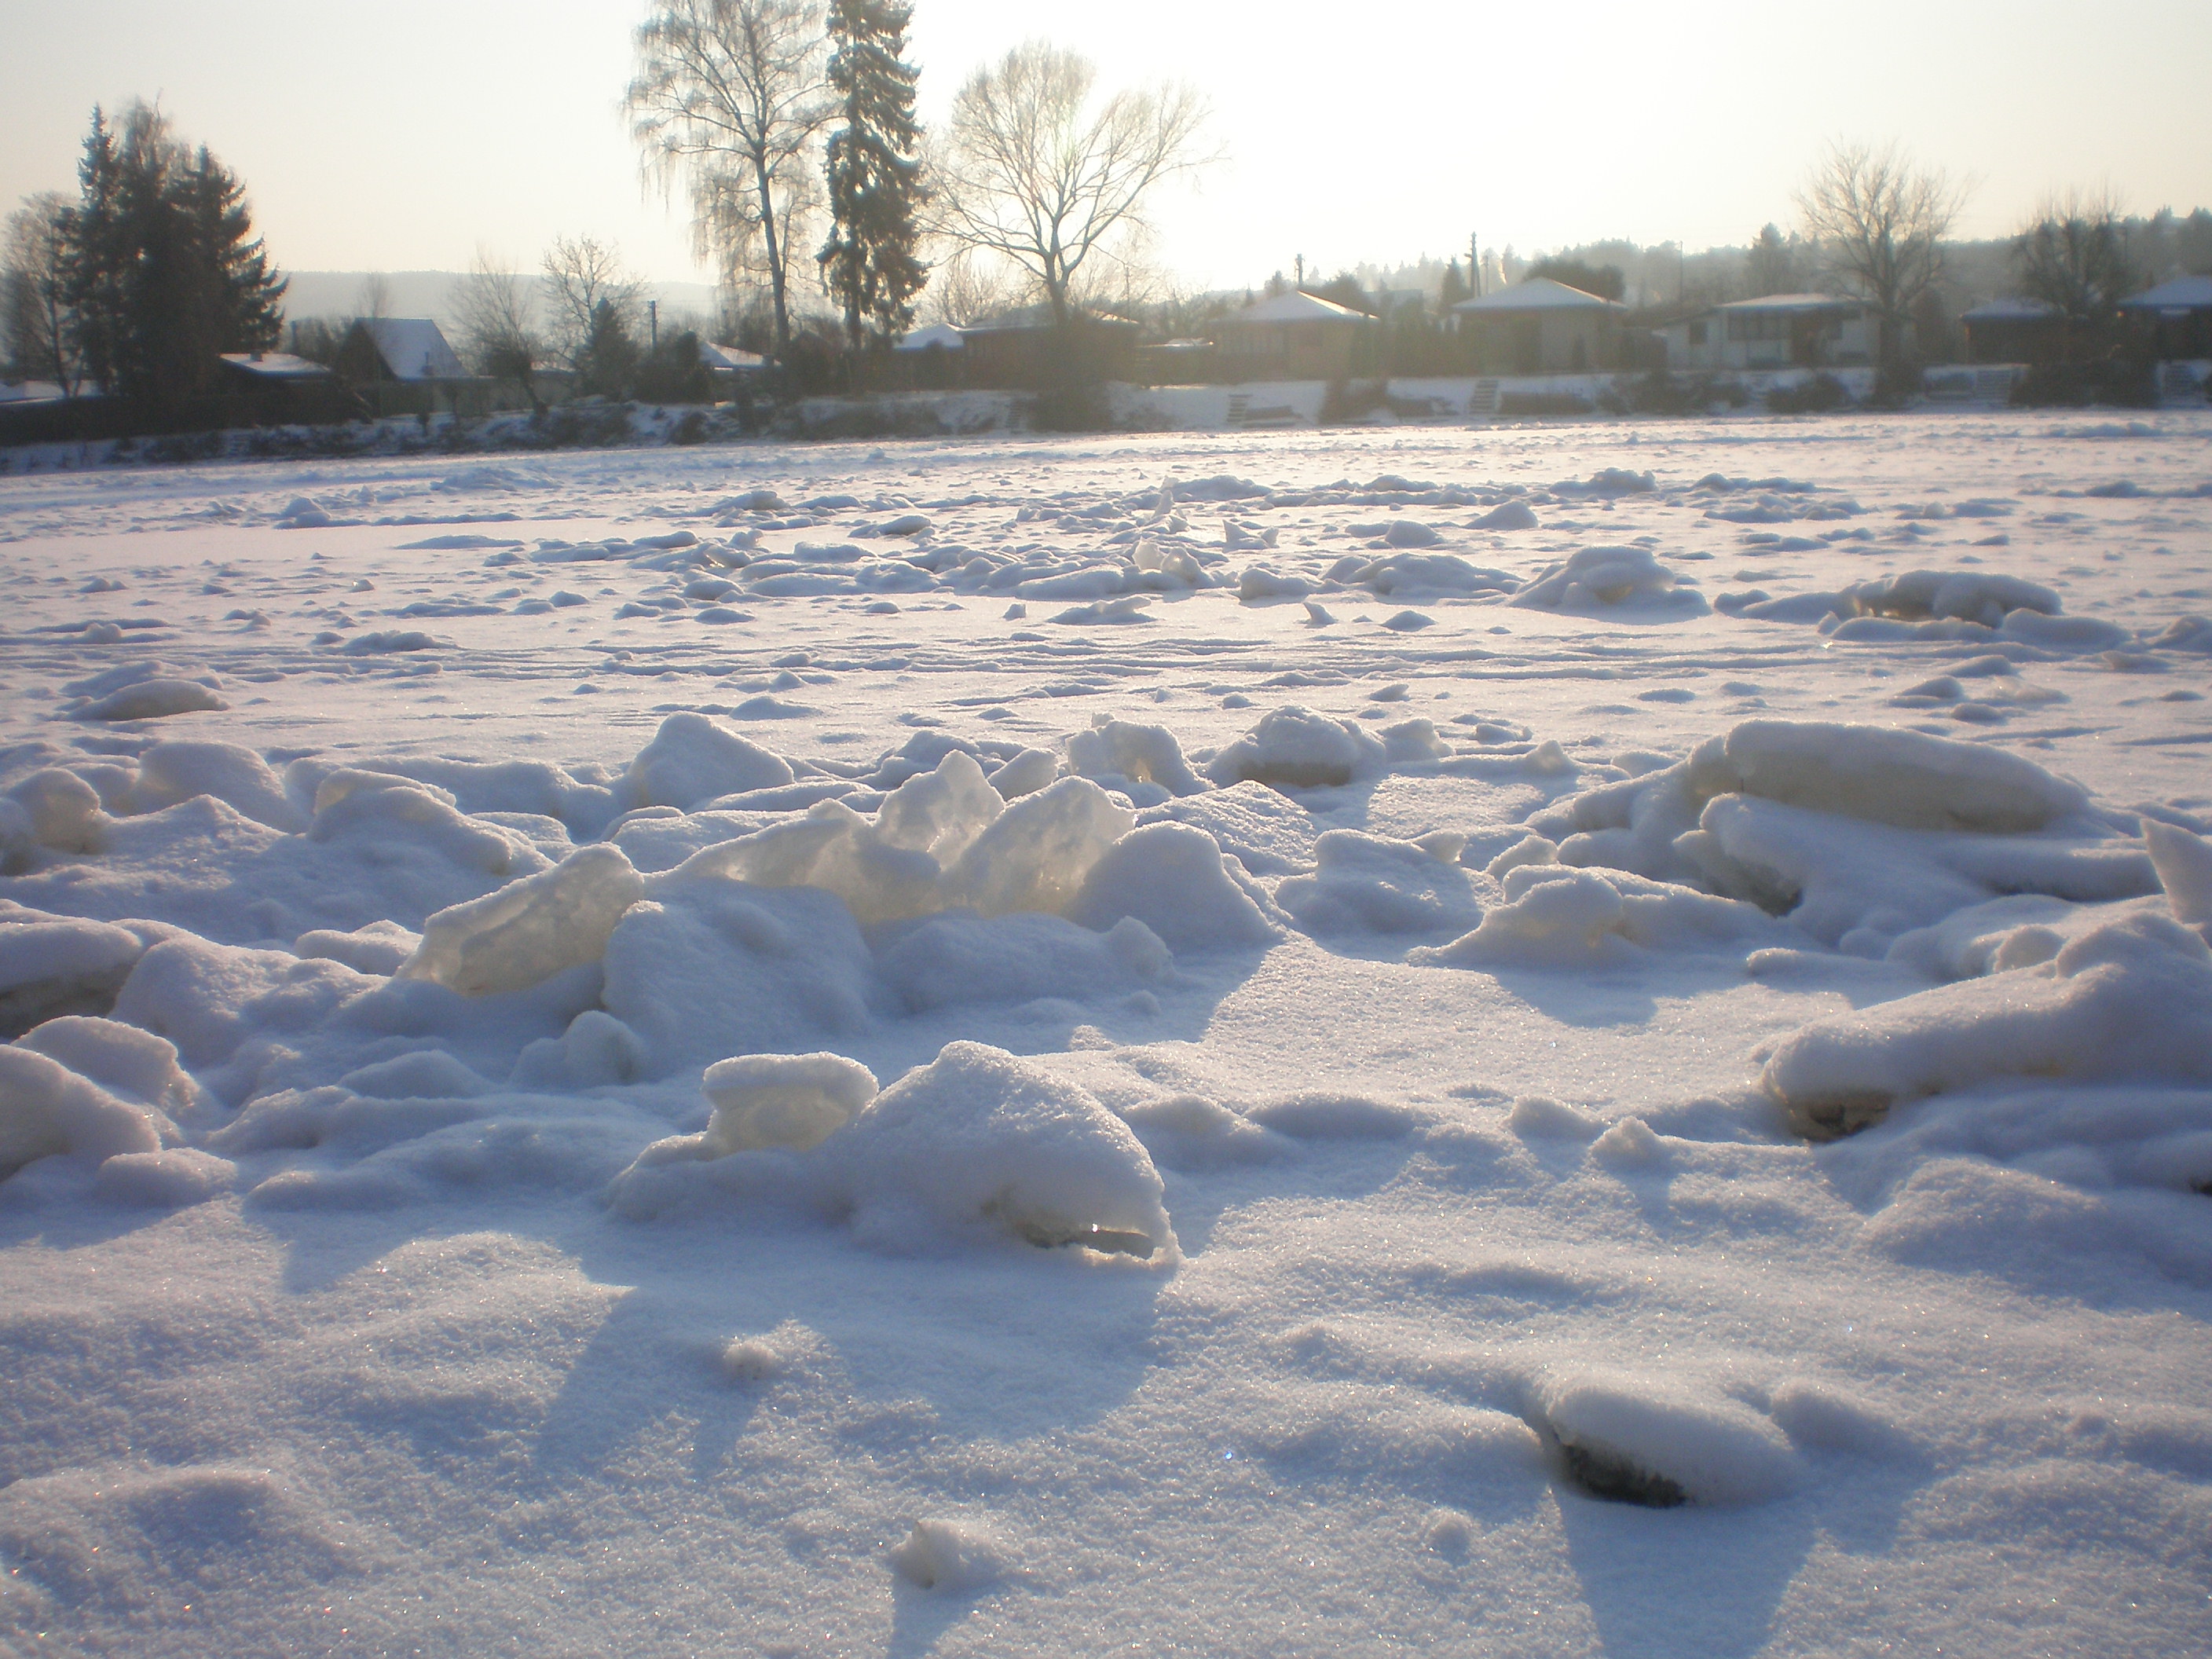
(1410, 974)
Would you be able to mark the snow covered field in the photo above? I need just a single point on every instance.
(1371, 995)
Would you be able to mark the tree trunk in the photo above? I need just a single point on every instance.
(775, 260)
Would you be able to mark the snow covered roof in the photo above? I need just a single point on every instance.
(2182, 293)
(29, 392)
(1789, 302)
(2008, 311)
(276, 365)
(413, 349)
(1296, 307)
(1538, 294)
(728, 356)
(937, 334)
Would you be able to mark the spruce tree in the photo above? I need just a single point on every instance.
(876, 188)
(165, 270)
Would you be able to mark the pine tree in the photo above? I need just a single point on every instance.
(876, 187)
(165, 270)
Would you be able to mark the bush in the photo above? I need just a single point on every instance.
(1822, 394)
(672, 372)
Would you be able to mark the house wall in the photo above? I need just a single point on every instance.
(1317, 351)
(1544, 342)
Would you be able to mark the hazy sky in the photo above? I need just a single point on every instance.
(403, 135)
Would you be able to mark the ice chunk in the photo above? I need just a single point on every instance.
(1170, 877)
(979, 1141)
(939, 813)
(530, 929)
(1114, 750)
(1902, 778)
(792, 1101)
(2130, 999)
(1646, 1441)
(1039, 851)
(2184, 863)
(691, 760)
(1294, 748)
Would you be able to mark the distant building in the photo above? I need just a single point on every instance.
(1776, 331)
(2014, 331)
(410, 349)
(1541, 327)
(2174, 318)
(1291, 336)
(278, 388)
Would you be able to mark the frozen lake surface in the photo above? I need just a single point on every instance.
(1536, 1041)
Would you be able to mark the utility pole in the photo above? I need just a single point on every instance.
(653, 322)
(1300, 260)
(1474, 260)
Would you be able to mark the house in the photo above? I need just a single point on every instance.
(408, 349)
(1292, 336)
(276, 387)
(2015, 331)
(403, 366)
(1027, 356)
(1776, 331)
(727, 366)
(2174, 318)
(1541, 326)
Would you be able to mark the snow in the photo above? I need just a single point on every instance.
(742, 1095)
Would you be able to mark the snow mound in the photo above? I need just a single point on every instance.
(380, 812)
(151, 700)
(530, 929)
(1599, 580)
(692, 760)
(1937, 595)
(61, 810)
(1295, 748)
(1119, 752)
(980, 1142)
(1371, 884)
(51, 966)
(1409, 572)
(950, 1556)
(960, 957)
(1171, 879)
(2130, 1000)
(46, 1108)
(795, 1101)
(1641, 1440)
(1558, 916)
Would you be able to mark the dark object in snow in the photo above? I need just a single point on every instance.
(1614, 1479)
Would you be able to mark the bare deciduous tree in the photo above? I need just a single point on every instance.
(498, 323)
(1038, 172)
(729, 94)
(2073, 255)
(373, 299)
(1880, 219)
(34, 290)
(582, 273)
(968, 288)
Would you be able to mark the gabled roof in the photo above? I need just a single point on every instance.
(1297, 306)
(276, 365)
(1538, 294)
(726, 357)
(2182, 293)
(942, 335)
(413, 348)
(1789, 302)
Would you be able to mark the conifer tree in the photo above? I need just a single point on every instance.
(876, 187)
(164, 272)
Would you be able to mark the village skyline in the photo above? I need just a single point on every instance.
(1364, 154)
